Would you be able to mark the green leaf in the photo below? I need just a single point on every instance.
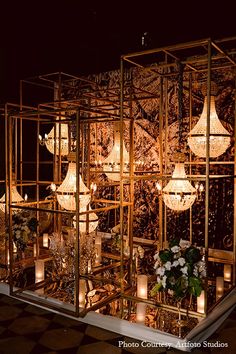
(165, 255)
(157, 287)
(195, 286)
(174, 242)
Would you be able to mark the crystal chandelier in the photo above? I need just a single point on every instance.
(179, 194)
(219, 136)
(16, 198)
(111, 165)
(54, 141)
(90, 219)
(66, 192)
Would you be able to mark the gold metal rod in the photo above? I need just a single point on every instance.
(234, 186)
(207, 185)
(161, 161)
(180, 46)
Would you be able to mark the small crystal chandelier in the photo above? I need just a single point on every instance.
(54, 141)
(16, 198)
(66, 192)
(219, 139)
(179, 194)
(90, 219)
(111, 165)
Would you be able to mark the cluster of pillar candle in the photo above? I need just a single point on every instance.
(219, 288)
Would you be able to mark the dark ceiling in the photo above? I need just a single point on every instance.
(81, 37)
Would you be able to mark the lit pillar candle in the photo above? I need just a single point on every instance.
(219, 287)
(98, 249)
(39, 270)
(227, 272)
(141, 292)
(142, 286)
(35, 250)
(45, 240)
(201, 302)
(141, 313)
(39, 273)
(82, 289)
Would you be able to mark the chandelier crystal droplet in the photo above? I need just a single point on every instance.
(53, 142)
(16, 198)
(179, 194)
(219, 136)
(66, 192)
(90, 219)
(111, 165)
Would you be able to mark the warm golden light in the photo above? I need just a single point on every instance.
(82, 289)
(227, 272)
(39, 270)
(98, 250)
(141, 312)
(219, 136)
(87, 222)
(45, 240)
(179, 194)
(66, 192)
(56, 142)
(219, 287)
(142, 286)
(16, 198)
(111, 165)
(201, 302)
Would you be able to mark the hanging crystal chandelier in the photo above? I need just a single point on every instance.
(55, 141)
(219, 136)
(90, 219)
(179, 194)
(66, 192)
(16, 198)
(111, 165)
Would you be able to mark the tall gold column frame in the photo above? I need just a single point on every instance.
(7, 243)
(21, 137)
(37, 186)
(131, 189)
(88, 162)
(161, 161)
(121, 180)
(190, 156)
(207, 167)
(9, 148)
(234, 226)
(77, 200)
(165, 151)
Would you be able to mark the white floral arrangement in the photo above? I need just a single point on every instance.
(24, 229)
(180, 270)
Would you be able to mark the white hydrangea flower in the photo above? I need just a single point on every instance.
(184, 244)
(195, 271)
(161, 271)
(184, 270)
(158, 279)
(156, 256)
(156, 265)
(181, 261)
(175, 263)
(175, 249)
(170, 292)
(167, 265)
(164, 281)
